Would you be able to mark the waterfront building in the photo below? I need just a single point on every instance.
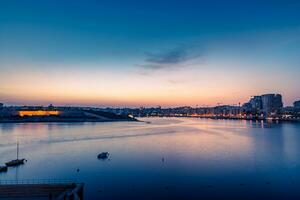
(247, 106)
(256, 103)
(254, 106)
(51, 107)
(31, 113)
(271, 103)
(297, 104)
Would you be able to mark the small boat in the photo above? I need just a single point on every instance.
(103, 155)
(3, 168)
(17, 161)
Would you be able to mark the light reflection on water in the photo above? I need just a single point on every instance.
(168, 158)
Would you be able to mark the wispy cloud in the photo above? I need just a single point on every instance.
(170, 58)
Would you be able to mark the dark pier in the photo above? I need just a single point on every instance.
(41, 189)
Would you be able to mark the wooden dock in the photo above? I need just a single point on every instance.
(41, 190)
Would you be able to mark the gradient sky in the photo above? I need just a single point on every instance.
(134, 53)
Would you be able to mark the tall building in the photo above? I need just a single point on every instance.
(271, 103)
(297, 104)
(256, 103)
(1, 105)
(267, 103)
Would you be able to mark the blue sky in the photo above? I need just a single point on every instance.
(132, 53)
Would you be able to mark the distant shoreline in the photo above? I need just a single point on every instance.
(227, 118)
(82, 120)
(62, 115)
(62, 121)
(55, 120)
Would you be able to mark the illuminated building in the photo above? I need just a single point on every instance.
(31, 113)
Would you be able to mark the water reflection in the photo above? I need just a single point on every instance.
(168, 158)
(6, 127)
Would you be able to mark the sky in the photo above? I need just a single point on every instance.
(147, 53)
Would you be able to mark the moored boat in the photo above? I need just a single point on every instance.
(16, 162)
(103, 155)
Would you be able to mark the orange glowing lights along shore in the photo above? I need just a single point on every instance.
(23, 113)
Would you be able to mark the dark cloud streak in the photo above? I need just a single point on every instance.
(170, 58)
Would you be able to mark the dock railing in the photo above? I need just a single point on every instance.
(38, 181)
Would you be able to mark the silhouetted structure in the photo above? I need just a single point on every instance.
(58, 114)
(41, 190)
(267, 104)
(297, 104)
(256, 103)
(271, 103)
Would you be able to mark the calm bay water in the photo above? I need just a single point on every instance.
(167, 158)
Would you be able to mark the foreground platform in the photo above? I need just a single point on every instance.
(41, 190)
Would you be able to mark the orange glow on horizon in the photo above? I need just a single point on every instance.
(38, 113)
(98, 87)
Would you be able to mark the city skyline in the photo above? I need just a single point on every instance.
(133, 53)
(254, 102)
